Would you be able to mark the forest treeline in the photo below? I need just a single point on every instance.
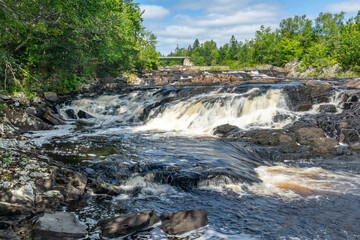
(56, 45)
(320, 43)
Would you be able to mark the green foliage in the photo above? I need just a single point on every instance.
(3, 106)
(320, 43)
(57, 45)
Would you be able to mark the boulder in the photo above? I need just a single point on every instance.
(309, 135)
(324, 145)
(84, 115)
(70, 183)
(71, 113)
(182, 222)
(58, 226)
(52, 119)
(11, 209)
(50, 96)
(8, 235)
(127, 224)
(31, 111)
(225, 130)
(106, 188)
(302, 97)
(49, 200)
(349, 135)
(327, 108)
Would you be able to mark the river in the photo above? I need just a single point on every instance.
(158, 146)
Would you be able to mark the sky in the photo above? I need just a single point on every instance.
(180, 22)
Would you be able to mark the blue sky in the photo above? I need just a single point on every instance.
(180, 22)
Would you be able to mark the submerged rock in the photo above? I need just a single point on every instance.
(58, 226)
(182, 222)
(127, 224)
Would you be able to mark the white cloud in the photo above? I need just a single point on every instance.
(215, 20)
(154, 11)
(346, 6)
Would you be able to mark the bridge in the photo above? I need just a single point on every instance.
(185, 60)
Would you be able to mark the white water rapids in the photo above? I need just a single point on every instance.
(197, 115)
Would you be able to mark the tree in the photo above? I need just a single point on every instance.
(55, 45)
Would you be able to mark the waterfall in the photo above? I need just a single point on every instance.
(200, 114)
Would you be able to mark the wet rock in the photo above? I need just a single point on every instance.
(58, 226)
(11, 209)
(309, 135)
(70, 183)
(50, 96)
(355, 146)
(302, 97)
(71, 113)
(225, 130)
(349, 135)
(8, 235)
(324, 145)
(327, 108)
(52, 119)
(268, 137)
(127, 224)
(106, 188)
(182, 222)
(84, 115)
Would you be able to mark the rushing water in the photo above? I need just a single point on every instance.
(158, 146)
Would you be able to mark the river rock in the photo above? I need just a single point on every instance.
(302, 97)
(127, 224)
(84, 115)
(52, 119)
(225, 130)
(11, 209)
(8, 235)
(71, 113)
(49, 200)
(106, 188)
(324, 145)
(309, 135)
(58, 226)
(182, 222)
(70, 183)
(50, 96)
(327, 108)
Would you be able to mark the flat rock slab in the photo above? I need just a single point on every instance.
(60, 225)
(182, 222)
(127, 224)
